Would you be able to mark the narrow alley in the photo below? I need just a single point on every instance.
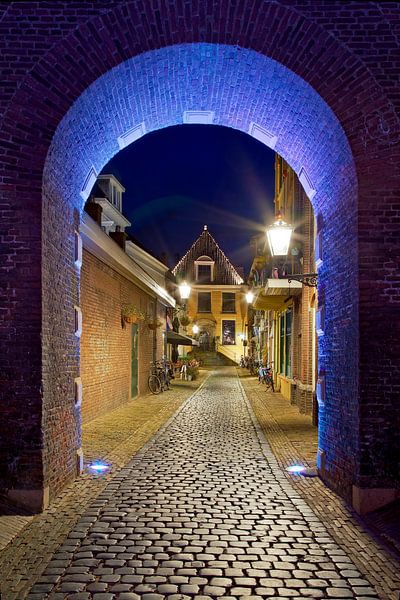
(203, 511)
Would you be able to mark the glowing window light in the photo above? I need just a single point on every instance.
(296, 469)
(99, 467)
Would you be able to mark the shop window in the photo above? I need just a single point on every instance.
(204, 302)
(288, 343)
(282, 344)
(228, 302)
(228, 333)
(285, 343)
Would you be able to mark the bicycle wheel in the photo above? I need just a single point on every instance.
(154, 384)
(270, 384)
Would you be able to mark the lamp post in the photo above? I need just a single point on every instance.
(279, 234)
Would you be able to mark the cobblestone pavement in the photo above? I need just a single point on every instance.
(29, 543)
(202, 511)
(294, 440)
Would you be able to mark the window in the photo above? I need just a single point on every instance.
(228, 302)
(288, 344)
(282, 344)
(204, 273)
(116, 197)
(228, 333)
(204, 302)
(285, 344)
(204, 267)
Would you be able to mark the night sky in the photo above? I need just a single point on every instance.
(180, 178)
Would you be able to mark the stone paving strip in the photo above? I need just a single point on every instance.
(114, 437)
(203, 511)
(294, 440)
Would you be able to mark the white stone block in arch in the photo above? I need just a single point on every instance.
(90, 180)
(200, 117)
(263, 135)
(131, 135)
(306, 183)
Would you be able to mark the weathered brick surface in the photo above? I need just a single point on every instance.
(106, 345)
(346, 52)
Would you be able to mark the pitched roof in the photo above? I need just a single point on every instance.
(205, 245)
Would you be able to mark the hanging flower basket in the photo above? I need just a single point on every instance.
(132, 314)
(153, 325)
(184, 320)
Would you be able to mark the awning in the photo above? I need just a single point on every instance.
(177, 338)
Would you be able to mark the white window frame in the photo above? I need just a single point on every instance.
(204, 260)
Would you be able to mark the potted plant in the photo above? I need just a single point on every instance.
(132, 314)
(192, 373)
(154, 324)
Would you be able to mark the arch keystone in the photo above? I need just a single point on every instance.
(200, 117)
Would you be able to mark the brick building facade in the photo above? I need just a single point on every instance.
(106, 343)
(284, 312)
(316, 81)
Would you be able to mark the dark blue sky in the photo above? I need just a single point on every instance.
(181, 178)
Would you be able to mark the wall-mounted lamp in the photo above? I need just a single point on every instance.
(279, 235)
(249, 297)
(184, 290)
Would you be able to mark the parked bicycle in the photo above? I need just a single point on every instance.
(265, 375)
(160, 376)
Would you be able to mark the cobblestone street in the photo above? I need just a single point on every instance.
(202, 511)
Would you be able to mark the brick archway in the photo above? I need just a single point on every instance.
(328, 138)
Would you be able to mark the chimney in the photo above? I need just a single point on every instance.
(119, 237)
(94, 210)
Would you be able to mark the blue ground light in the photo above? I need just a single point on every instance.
(296, 469)
(98, 467)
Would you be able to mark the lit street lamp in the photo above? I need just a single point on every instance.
(279, 234)
(184, 290)
(249, 297)
(195, 329)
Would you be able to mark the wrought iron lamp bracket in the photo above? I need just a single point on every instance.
(308, 279)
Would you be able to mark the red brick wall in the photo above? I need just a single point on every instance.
(105, 343)
(347, 52)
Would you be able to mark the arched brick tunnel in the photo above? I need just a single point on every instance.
(99, 75)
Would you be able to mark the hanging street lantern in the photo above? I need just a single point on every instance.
(195, 329)
(279, 234)
(249, 297)
(184, 290)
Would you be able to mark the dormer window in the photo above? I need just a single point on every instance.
(204, 267)
(116, 197)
